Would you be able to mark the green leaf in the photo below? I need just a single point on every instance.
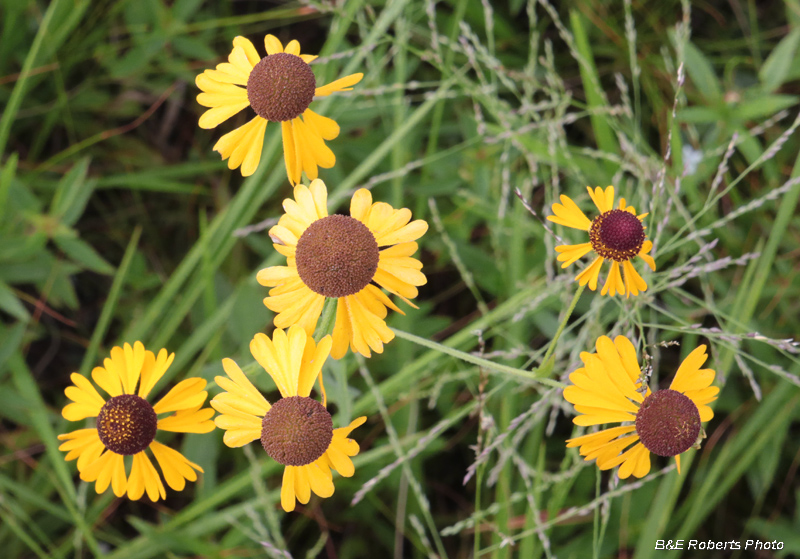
(776, 67)
(5, 182)
(82, 253)
(764, 106)
(699, 115)
(72, 193)
(702, 73)
(10, 304)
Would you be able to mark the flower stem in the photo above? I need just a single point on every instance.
(545, 366)
(327, 319)
(469, 358)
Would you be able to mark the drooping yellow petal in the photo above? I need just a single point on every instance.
(342, 84)
(320, 480)
(410, 232)
(592, 441)
(643, 253)
(145, 478)
(290, 156)
(568, 214)
(193, 420)
(614, 282)
(314, 144)
(638, 463)
(314, 357)
(248, 48)
(174, 465)
(242, 147)
(241, 386)
(287, 489)
(590, 274)
(568, 254)
(187, 394)
(633, 281)
(83, 444)
(326, 127)
(87, 401)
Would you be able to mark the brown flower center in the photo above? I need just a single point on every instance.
(337, 256)
(126, 424)
(617, 235)
(281, 87)
(296, 431)
(668, 423)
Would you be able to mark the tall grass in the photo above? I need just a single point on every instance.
(118, 223)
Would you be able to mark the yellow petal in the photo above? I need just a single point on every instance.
(290, 155)
(248, 48)
(633, 281)
(568, 214)
(314, 144)
(568, 254)
(243, 387)
(590, 274)
(272, 44)
(197, 420)
(324, 126)
(174, 465)
(293, 47)
(360, 205)
(342, 84)
(287, 489)
(153, 369)
(410, 232)
(187, 394)
(320, 480)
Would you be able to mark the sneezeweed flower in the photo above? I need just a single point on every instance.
(608, 389)
(127, 423)
(616, 234)
(279, 88)
(339, 256)
(296, 431)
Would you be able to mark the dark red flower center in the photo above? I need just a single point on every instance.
(617, 235)
(668, 423)
(296, 431)
(337, 256)
(281, 87)
(127, 424)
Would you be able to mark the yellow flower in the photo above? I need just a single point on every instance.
(616, 234)
(608, 389)
(338, 256)
(296, 431)
(126, 424)
(279, 88)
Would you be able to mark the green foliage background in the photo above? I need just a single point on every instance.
(118, 223)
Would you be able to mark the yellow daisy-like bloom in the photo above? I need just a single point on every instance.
(279, 88)
(127, 423)
(339, 256)
(616, 234)
(608, 388)
(296, 431)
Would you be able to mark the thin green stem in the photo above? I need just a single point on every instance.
(327, 319)
(552, 347)
(476, 546)
(469, 358)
